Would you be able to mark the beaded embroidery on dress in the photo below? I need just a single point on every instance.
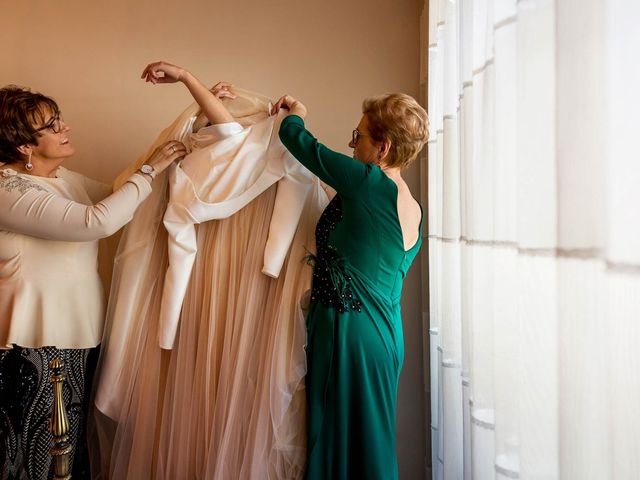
(331, 281)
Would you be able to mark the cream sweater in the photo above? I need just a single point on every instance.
(50, 291)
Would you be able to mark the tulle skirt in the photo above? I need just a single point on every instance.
(228, 401)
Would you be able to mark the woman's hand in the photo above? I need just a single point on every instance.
(287, 102)
(222, 90)
(165, 154)
(209, 100)
(163, 72)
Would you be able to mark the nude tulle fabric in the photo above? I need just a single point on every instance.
(227, 402)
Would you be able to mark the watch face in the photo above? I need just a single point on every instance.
(147, 169)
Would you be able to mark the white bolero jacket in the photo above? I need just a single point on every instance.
(229, 166)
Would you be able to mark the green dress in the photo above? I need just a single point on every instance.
(354, 327)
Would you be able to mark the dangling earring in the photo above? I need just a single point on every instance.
(29, 166)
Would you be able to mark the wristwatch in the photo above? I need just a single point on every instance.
(148, 170)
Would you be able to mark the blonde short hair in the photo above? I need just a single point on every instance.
(401, 120)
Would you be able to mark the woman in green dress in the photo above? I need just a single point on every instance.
(366, 240)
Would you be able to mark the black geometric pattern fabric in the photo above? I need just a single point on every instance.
(26, 400)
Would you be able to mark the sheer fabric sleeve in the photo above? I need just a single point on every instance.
(30, 209)
(341, 172)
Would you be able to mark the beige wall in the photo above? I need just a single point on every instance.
(89, 55)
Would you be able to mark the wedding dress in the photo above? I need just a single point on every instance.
(225, 397)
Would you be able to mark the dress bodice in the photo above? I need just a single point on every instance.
(368, 244)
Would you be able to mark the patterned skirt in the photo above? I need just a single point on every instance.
(26, 400)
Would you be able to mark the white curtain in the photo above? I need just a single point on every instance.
(534, 238)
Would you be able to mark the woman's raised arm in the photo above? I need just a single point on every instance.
(209, 100)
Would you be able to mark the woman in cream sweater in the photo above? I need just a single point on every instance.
(51, 299)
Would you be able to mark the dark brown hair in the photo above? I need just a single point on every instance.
(21, 111)
(401, 120)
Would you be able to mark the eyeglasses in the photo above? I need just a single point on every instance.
(55, 124)
(355, 136)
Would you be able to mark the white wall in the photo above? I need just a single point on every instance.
(89, 55)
